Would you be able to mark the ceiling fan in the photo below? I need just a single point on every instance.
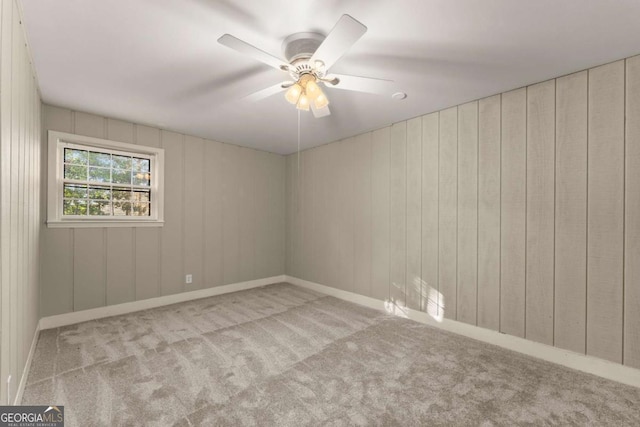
(308, 59)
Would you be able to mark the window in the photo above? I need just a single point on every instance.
(99, 183)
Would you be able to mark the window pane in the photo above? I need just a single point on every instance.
(99, 174)
(121, 162)
(142, 178)
(121, 194)
(121, 176)
(100, 182)
(141, 165)
(99, 159)
(141, 196)
(99, 193)
(74, 207)
(122, 208)
(99, 208)
(72, 191)
(141, 209)
(75, 172)
(77, 157)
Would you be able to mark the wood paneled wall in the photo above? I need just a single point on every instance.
(224, 223)
(19, 199)
(519, 213)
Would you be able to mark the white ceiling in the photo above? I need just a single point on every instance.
(157, 62)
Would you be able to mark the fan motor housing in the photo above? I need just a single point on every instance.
(301, 45)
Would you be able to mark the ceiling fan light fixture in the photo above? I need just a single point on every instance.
(306, 91)
(293, 93)
(321, 101)
(303, 103)
(312, 89)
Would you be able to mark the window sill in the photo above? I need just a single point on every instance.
(103, 224)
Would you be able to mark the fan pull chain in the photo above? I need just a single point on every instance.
(298, 146)
(298, 160)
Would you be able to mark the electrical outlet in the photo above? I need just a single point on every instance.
(188, 279)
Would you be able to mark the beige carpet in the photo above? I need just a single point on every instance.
(281, 355)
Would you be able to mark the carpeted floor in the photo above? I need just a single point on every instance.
(281, 355)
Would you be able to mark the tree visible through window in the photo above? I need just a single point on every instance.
(102, 183)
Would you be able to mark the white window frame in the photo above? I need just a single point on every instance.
(55, 219)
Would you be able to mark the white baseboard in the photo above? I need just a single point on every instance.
(130, 307)
(570, 359)
(27, 367)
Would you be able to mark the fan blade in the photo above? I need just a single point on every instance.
(267, 92)
(320, 112)
(346, 32)
(360, 84)
(243, 47)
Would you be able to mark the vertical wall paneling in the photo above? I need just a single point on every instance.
(413, 272)
(344, 208)
(23, 243)
(207, 223)
(334, 235)
(528, 203)
(89, 263)
(6, 9)
(362, 214)
(89, 269)
(269, 201)
(56, 269)
(380, 207)
(148, 241)
(448, 214)
(313, 241)
(231, 213)
(513, 213)
(321, 248)
(20, 151)
(213, 249)
(120, 269)
(118, 130)
(263, 180)
(467, 212)
(308, 196)
(605, 211)
(632, 216)
(430, 212)
(276, 224)
(18, 183)
(193, 212)
(299, 168)
(571, 213)
(11, 92)
(489, 184)
(89, 124)
(280, 187)
(289, 218)
(328, 240)
(540, 211)
(295, 163)
(398, 213)
(247, 215)
(172, 233)
(147, 253)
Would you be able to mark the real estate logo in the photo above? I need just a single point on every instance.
(31, 416)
